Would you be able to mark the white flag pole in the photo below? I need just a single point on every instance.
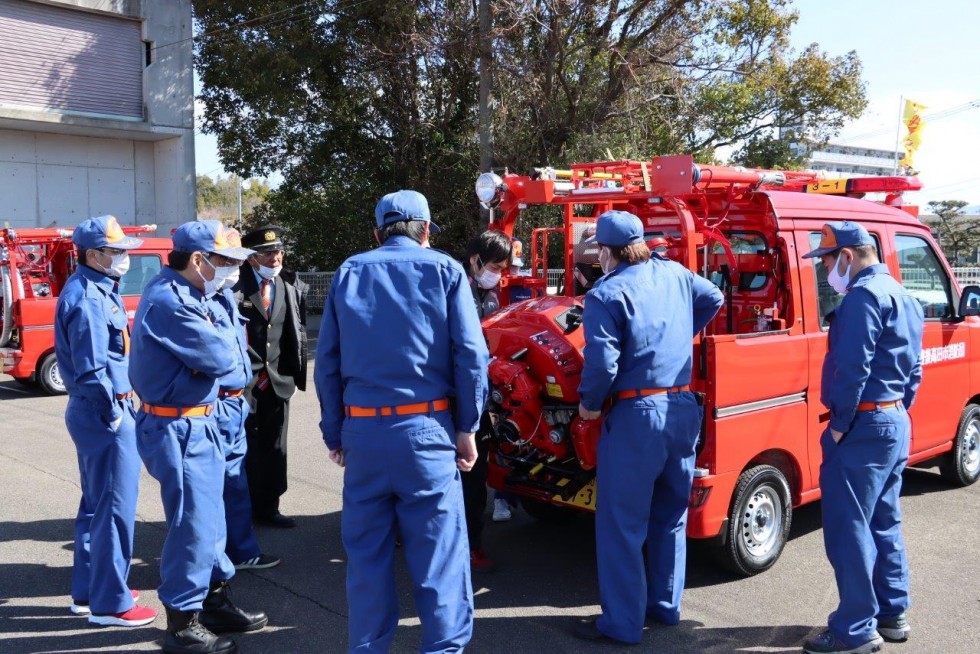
(898, 129)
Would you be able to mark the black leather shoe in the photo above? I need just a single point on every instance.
(221, 616)
(185, 635)
(586, 629)
(274, 520)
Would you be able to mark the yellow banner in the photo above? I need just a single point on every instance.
(912, 119)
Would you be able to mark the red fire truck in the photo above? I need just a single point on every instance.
(757, 363)
(34, 266)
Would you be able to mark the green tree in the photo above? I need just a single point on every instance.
(353, 100)
(958, 235)
(217, 199)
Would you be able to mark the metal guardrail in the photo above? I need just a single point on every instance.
(320, 283)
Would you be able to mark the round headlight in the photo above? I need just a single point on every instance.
(488, 188)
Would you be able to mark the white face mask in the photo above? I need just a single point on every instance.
(229, 276)
(210, 285)
(837, 281)
(119, 265)
(269, 273)
(487, 278)
(606, 267)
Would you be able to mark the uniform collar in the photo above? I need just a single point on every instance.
(402, 240)
(101, 280)
(188, 288)
(874, 269)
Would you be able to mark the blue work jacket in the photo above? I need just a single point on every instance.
(400, 327)
(91, 340)
(178, 355)
(639, 321)
(228, 318)
(874, 347)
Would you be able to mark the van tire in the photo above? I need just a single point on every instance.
(49, 376)
(962, 466)
(758, 521)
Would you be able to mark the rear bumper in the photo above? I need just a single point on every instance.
(710, 518)
(14, 363)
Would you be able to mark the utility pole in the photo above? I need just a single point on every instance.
(485, 54)
(238, 185)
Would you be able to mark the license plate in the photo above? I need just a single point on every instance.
(583, 499)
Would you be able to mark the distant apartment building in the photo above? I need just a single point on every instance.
(96, 112)
(850, 161)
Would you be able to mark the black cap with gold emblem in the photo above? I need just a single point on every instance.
(267, 237)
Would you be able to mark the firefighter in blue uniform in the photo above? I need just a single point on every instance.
(230, 412)
(870, 376)
(400, 337)
(92, 346)
(180, 358)
(639, 320)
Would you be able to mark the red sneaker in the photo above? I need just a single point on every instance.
(82, 608)
(480, 562)
(134, 617)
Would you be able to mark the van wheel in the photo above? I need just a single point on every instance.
(759, 521)
(49, 376)
(962, 466)
(547, 512)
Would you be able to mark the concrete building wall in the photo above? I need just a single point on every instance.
(59, 168)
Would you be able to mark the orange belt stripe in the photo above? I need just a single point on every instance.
(398, 410)
(178, 411)
(643, 392)
(238, 392)
(124, 396)
(873, 406)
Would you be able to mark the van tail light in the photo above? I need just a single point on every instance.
(699, 495)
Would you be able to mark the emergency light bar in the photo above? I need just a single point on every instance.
(844, 186)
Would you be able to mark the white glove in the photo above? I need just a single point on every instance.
(114, 425)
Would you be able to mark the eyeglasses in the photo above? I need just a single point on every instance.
(269, 254)
(111, 252)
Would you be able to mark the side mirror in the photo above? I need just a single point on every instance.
(970, 301)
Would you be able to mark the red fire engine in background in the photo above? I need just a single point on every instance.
(34, 266)
(757, 363)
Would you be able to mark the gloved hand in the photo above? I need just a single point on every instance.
(114, 425)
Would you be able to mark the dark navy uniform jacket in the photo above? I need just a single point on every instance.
(400, 327)
(178, 355)
(875, 347)
(227, 317)
(92, 340)
(639, 321)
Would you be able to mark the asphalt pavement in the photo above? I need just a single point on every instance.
(546, 573)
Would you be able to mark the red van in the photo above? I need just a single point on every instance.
(757, 364)
(34, 266)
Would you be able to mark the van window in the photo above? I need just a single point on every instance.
(142, 268)
(923, 276)
(827, 298)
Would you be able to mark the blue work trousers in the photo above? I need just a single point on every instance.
(644, 473)
(401, 479)
(109, 468)
(861, 480)
(241, 545)
(186, 456)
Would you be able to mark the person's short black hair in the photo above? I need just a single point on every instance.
(178, 260)
(413, 229)
(491, 246)
(80, 253)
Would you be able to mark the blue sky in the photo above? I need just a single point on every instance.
(926, 51)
